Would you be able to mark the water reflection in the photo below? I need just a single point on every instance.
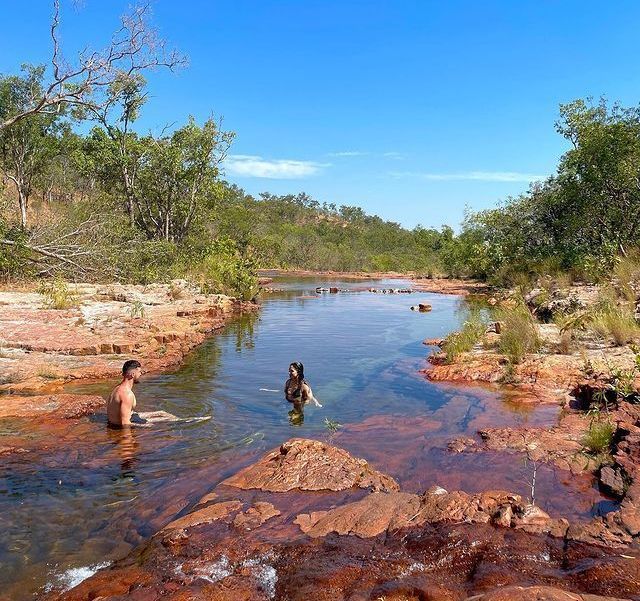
(127, 448)
(296, 416)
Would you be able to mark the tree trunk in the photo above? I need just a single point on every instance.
(22, 201)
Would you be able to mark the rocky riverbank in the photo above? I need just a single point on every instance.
(594, 383)
(43, 348)
(309, 520)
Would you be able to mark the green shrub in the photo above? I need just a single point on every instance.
(225, 270)
(57, 294)
(465, 339)
(519, 334)
(598, 437)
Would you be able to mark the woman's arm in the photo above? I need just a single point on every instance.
(307, 395)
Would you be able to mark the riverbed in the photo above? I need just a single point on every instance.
(94, 493)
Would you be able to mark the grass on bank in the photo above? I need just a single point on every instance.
(57, 294)
(464, 340)
(519, 335)
(599, 437)
(616, 323)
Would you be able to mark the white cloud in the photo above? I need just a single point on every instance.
(256, 166)
(349, 153)
(481, 176)
(393, 155)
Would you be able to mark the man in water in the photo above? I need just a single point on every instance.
(122, 401)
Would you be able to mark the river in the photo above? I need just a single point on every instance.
(97, 493)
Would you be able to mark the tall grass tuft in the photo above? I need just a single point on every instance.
(464, 340)
(598, 438)
(627, 274)
(520, 334)
(612, 320)
(57, 294)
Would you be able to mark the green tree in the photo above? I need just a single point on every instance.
(177, 179)
(28, 145)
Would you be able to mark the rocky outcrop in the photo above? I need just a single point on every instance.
(559, 445)
(42, 348)
(55, 406)
(211, 513)
(310, 465)
(544, 378)
(442, 546)
(450, 286)
(381, 512)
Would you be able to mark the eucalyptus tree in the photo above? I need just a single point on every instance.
(86, 82)
(28, 145)
(177, 179)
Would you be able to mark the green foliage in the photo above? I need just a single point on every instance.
(519, 335)
(57, 294)
(224, 269)
(620, 384)
(577, 221)
(331, 425)
(29, 146)
(464, 340)
(598, 437)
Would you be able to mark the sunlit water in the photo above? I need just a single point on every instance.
(96, 493)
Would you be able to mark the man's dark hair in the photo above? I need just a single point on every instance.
(130, 366)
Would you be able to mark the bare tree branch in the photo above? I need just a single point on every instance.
(134, 48)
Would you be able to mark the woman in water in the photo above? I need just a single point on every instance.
(296, 389)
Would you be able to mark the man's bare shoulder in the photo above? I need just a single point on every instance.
(121, 393)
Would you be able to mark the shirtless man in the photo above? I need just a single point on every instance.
(122, 401)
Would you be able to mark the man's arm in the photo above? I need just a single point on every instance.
(126, 407)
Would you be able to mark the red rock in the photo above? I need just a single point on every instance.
(211, 513)
(57, 406)
(93, 349)
(559, 445)
(106, 348)
(122, 348)
(380, 512)
(536, 593)
(255, 516)
(310, 465)
(368, 517)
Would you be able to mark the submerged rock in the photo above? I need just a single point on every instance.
(310, 465)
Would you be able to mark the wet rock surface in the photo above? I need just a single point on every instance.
(438, 545)
(310, 465)
(54, 406)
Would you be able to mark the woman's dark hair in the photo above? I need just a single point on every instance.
(299, 368)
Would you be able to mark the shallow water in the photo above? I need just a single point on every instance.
(96, 493)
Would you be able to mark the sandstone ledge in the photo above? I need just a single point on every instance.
(43, 348)
(310, 465)
(442, 546)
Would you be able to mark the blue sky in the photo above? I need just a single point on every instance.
(411, 109)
